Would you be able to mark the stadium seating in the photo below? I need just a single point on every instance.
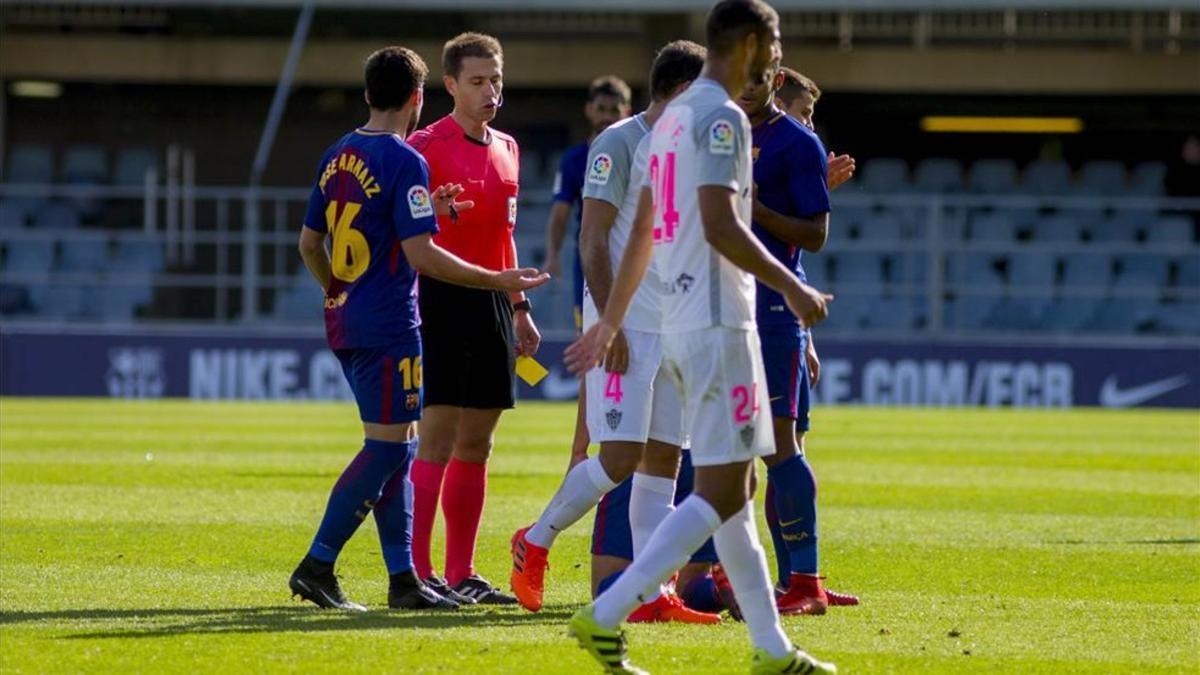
(1047, 177)
(1148, 179)
(30, 163)
(12, 217)
(938, 174)
(84, 252)
(884, 175)
(132, 164)
(1171, 230)
(56, 216)
(85, 164)
(1104, 177)
(994, 176)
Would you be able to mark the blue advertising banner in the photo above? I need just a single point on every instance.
(207, 365)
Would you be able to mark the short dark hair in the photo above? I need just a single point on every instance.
(610, 85)
(466, 45)
(731, 20)
(676, 63)
(392, 74)
(794, 84)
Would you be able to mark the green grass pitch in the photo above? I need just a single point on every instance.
(158, 536)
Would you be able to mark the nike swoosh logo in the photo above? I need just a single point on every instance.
(786, 523)
(774, 398)
(1112, 396)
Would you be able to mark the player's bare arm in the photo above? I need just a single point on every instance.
(809, 234)
(316, 258)
(592, 345)
(598, 218)
(725, 232)
(429, 258)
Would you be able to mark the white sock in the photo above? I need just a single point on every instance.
(580, 491)
(679, 535)
(651, 500)
(745, 564)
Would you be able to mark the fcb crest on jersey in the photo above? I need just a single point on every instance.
(601, 169)
(419, 204)
(512, 210)
(720, 138)
(613, 417)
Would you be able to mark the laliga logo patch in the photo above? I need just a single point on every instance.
(418, 202)
(512, 210)
(601, 169)
(720, 138)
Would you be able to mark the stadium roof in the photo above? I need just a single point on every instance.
(660, 5)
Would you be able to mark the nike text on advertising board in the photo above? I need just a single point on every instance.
(236, 365)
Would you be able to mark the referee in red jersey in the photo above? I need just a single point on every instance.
(468, 333)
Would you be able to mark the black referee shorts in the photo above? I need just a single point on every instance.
(467, 339)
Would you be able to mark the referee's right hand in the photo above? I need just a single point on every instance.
(520, 279)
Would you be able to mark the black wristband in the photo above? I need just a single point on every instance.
(523, 306)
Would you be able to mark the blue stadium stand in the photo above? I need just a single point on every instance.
(1148, 179)
(885, 175)
(30, 163)
(938, 174)
(84, 252)
(139, 255)
(132, 164)
(1171, 230)
(993, 176)
(1124, 226)
(1061, 228)
(85, 164)
(1103, 177)
(1047, 177)
(12, 216)
(881, 229)
(56, 216)
(1086, 270)
(1147, 271)
(32, 258)
(993, 228)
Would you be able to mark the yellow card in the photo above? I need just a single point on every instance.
(530, 370)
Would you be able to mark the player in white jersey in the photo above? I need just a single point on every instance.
(694, 219)
(631, 409)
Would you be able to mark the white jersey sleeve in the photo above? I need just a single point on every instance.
(624, 145)
(722, 138)
(609, 162)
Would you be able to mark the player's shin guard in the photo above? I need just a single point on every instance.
(586, 483)
(796, 506)
(783, 563)
(393, 515)
(745, 564)
(681, 533)
(355, 494)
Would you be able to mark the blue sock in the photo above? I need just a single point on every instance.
(393, 513)
(796, 506)
(701, 594)
(783, 564)
(354, 495)
(607, 581)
